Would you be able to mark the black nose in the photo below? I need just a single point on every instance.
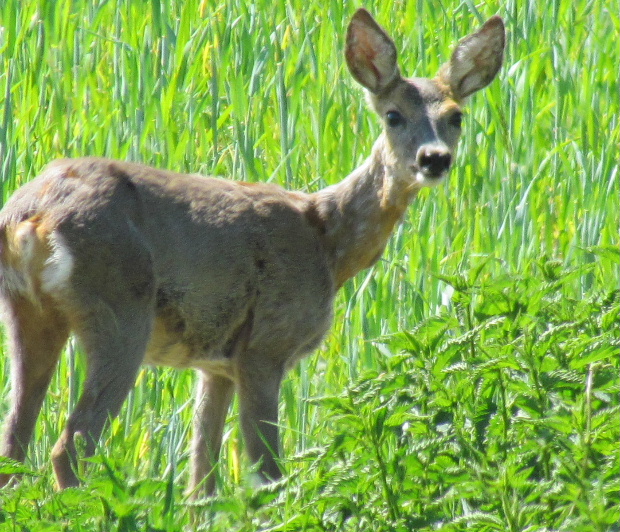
(434, 161)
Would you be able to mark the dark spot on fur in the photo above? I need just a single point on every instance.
(142, 288)
(169, 312)
(161, 299)
(115, 171)
(260, 265)
(121, 175)
(70, 172)
(239, 340)
(314, 218)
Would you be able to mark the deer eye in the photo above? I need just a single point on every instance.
(456, 119)
(394, 119)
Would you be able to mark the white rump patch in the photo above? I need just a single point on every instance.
(59, 266)
(25, 239)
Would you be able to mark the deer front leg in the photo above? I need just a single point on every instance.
(259, 391)
(213, 397)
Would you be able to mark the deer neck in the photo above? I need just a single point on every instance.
(358, 215)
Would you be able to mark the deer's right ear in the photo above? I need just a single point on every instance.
(370, 53)
(476, 60)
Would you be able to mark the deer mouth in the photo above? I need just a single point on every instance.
(428, 179)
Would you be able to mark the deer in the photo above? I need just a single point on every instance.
(234, 280)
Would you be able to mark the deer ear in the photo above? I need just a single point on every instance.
(370, 53)
(476, 60)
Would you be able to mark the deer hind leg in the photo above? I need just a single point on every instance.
(213, 396)
(115, 343)
(36, 336)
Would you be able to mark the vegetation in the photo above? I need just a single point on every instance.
(470, 381)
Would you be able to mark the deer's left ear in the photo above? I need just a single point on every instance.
(476, 60)
(370, 53)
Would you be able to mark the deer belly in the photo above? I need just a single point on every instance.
(169, 348)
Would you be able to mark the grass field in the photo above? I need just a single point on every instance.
(470, 381)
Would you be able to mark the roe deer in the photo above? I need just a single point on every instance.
(235, 280)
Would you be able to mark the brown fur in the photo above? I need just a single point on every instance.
(235, 280)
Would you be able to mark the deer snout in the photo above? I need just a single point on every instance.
(433, 160)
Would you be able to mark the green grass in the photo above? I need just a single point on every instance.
(493, 409)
